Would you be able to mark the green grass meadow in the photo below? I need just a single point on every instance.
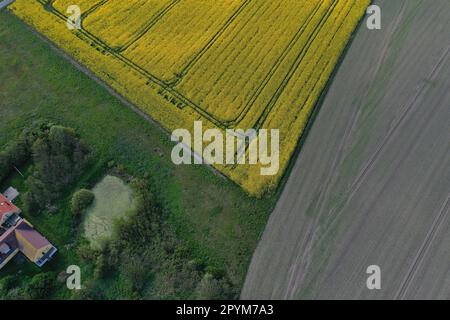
(216, 220)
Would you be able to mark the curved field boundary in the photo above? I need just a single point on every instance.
(49, 5)
(93, 9)
(148, 26)
(173, 82)
(103, 47)
(234, 123)
(259, 125)
(294, 283)
(181, 99)
(274, 68)
(294, 67)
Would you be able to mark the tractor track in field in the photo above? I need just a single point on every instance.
(273, 101)
(111, 91)
(151, 78)
(229, 124)
(148, 26)
(369, 186)
(294, 68)
(406, 110)
(173, 82)
(304, 255)
(92, 9)
(274, 68)
(418, 260)
(168, 86)
(272, 104)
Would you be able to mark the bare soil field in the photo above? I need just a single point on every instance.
(371, 185)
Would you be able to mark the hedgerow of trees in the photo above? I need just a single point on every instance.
(59, 157)
(18, 151)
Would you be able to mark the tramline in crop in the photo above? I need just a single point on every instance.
(258, 64)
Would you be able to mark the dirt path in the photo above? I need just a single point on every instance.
(5, 3)
(371, 184)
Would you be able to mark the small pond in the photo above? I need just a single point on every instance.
(113, 199)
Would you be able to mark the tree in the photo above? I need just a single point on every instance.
(59, 157)
(136, 273)
(18, 152)
(4, 165)
(81, 200)
(30, 203)
(15, 155)
(209, 288)
(213, 288)
(41, 286)
(8, 283)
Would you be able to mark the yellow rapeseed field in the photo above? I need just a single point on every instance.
(244, 64)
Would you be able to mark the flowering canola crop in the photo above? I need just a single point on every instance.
(244, 64)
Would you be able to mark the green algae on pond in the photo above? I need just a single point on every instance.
(113, 199)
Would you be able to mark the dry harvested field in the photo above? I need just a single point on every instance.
(233, 64)
(372, 183)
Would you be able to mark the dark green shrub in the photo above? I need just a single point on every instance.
(8, 283)
(81, 200)
(41, 286)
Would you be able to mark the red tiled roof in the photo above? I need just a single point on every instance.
(6, 206)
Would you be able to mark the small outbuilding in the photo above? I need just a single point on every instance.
(11, 194)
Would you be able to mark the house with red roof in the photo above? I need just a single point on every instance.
(7, 209)
(18, 235)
